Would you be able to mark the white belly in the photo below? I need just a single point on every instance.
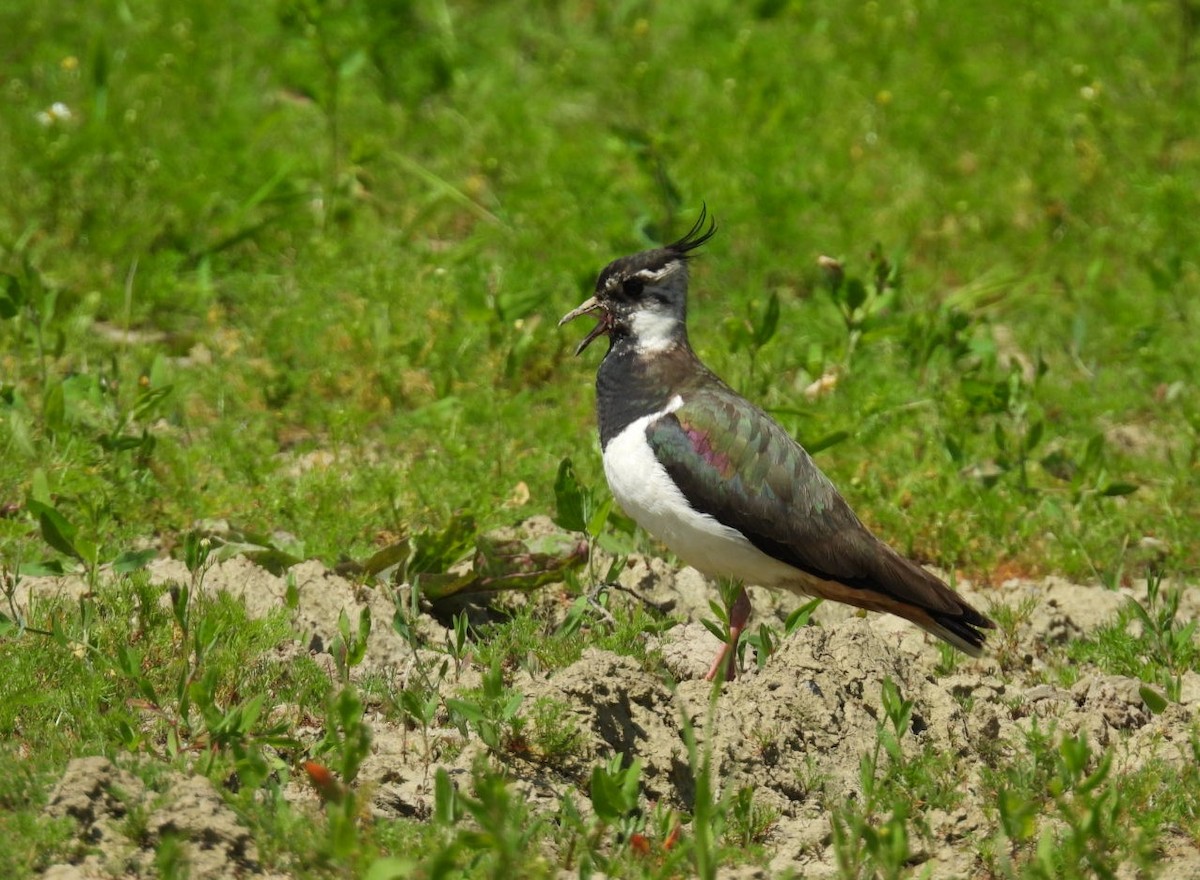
(641, 485)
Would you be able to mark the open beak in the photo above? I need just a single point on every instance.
(586, 308)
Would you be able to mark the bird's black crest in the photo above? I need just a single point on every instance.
(696, 236)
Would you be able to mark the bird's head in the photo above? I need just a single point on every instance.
(644, 297)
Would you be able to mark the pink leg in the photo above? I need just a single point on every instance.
(739, 615)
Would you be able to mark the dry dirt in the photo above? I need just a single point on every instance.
(794, 730)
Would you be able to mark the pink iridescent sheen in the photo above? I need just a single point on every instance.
(703, 448)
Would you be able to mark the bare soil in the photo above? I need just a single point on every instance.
(794, 730)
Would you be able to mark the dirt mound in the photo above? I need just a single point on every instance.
(793, 732)
(186, 822)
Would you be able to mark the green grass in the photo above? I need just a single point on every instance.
(297, 266)
(1020, 173)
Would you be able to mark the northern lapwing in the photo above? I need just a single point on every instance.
(719, 481)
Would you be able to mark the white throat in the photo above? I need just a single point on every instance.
(654, 329)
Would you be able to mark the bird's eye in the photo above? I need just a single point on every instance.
(632, 287)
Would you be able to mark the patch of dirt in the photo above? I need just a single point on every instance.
(793, 731)
(129, 825)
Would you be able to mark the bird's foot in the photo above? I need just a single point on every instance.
(727, 658)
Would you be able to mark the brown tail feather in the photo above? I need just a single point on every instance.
(952, 619)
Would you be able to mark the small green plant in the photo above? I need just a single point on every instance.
(31, 303)
(65, 537)
(1009, 621)
(765, 640)
(754, 332)
(1172, 641)
(810, 778)
(708, 810)
(1062, 817)
(861, 303)
(196, 711)
(749, 822)
(349, 647)
(491, 711)
(555, 733)
(457, 644)
(865, 844)
(614, 790)
(501, 839)
(419, 706)
(581, 508)
(1159, 650)
(1085, 474)
(899, 713)
(346, 743)
(871, 833)
(949, 659)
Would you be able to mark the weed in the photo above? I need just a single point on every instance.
(949, 659)
(581, 508)
(863, 844)
(491, 711)
(501, 838)
(765, 639)
(749, 821)
(871, 833)
(1009, 621)
(349, 647)
(859, 303)
(614, 791)
(1148, 640)
(555, 733)
(1059, 817)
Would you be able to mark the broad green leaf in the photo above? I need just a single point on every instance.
(250, 711)
(11, 296)
(1113, 490)
(801, 616)
(606, 795)
(56, 530)
(1092, 453)
(133, 560)
(472, 712)
(568, 499)
(826, 442)
(1154, 701)
(599, 517)
(44, 568)
(766, 327)
(89, 551)
(436, 550)
(389, 556)
(54, 408)
(390, 868)
(1034, 435)
(856, 294)
(444, 797)
(509, 564)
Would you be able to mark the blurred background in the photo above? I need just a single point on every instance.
(296, 266)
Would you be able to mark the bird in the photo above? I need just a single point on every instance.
(722, 484)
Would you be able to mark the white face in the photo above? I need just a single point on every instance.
(655, 325)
